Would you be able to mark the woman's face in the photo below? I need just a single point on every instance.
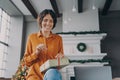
(47, 23)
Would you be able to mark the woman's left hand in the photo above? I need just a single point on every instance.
(59, 55)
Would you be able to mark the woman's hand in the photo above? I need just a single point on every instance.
(40, 48)
(59, 55)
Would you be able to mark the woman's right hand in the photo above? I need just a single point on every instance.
(40, 48)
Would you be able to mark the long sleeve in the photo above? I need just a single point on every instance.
(29, 55)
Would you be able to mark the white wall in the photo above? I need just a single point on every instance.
(14, 49)
(84, 21)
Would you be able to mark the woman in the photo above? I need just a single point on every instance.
(42, 46)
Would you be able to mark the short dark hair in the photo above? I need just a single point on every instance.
(44, 13)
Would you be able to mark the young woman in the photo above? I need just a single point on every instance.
(42, 46)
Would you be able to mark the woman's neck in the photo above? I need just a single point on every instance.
(46, 33)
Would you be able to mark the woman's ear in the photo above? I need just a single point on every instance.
(38, 21)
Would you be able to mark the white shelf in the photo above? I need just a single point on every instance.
(85, 56)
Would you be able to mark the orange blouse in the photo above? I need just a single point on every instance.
(54, 46)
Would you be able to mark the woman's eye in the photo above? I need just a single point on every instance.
(45, 20)
(51, 21)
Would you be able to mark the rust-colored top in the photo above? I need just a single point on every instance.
(54, 46)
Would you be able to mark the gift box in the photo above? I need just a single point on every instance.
(54, 63)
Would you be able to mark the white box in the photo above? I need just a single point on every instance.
(54, 63)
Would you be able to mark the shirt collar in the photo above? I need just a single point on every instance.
(39, 34)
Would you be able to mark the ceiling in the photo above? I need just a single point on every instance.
(34, 7)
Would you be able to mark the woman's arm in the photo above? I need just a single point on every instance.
(29, 56)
